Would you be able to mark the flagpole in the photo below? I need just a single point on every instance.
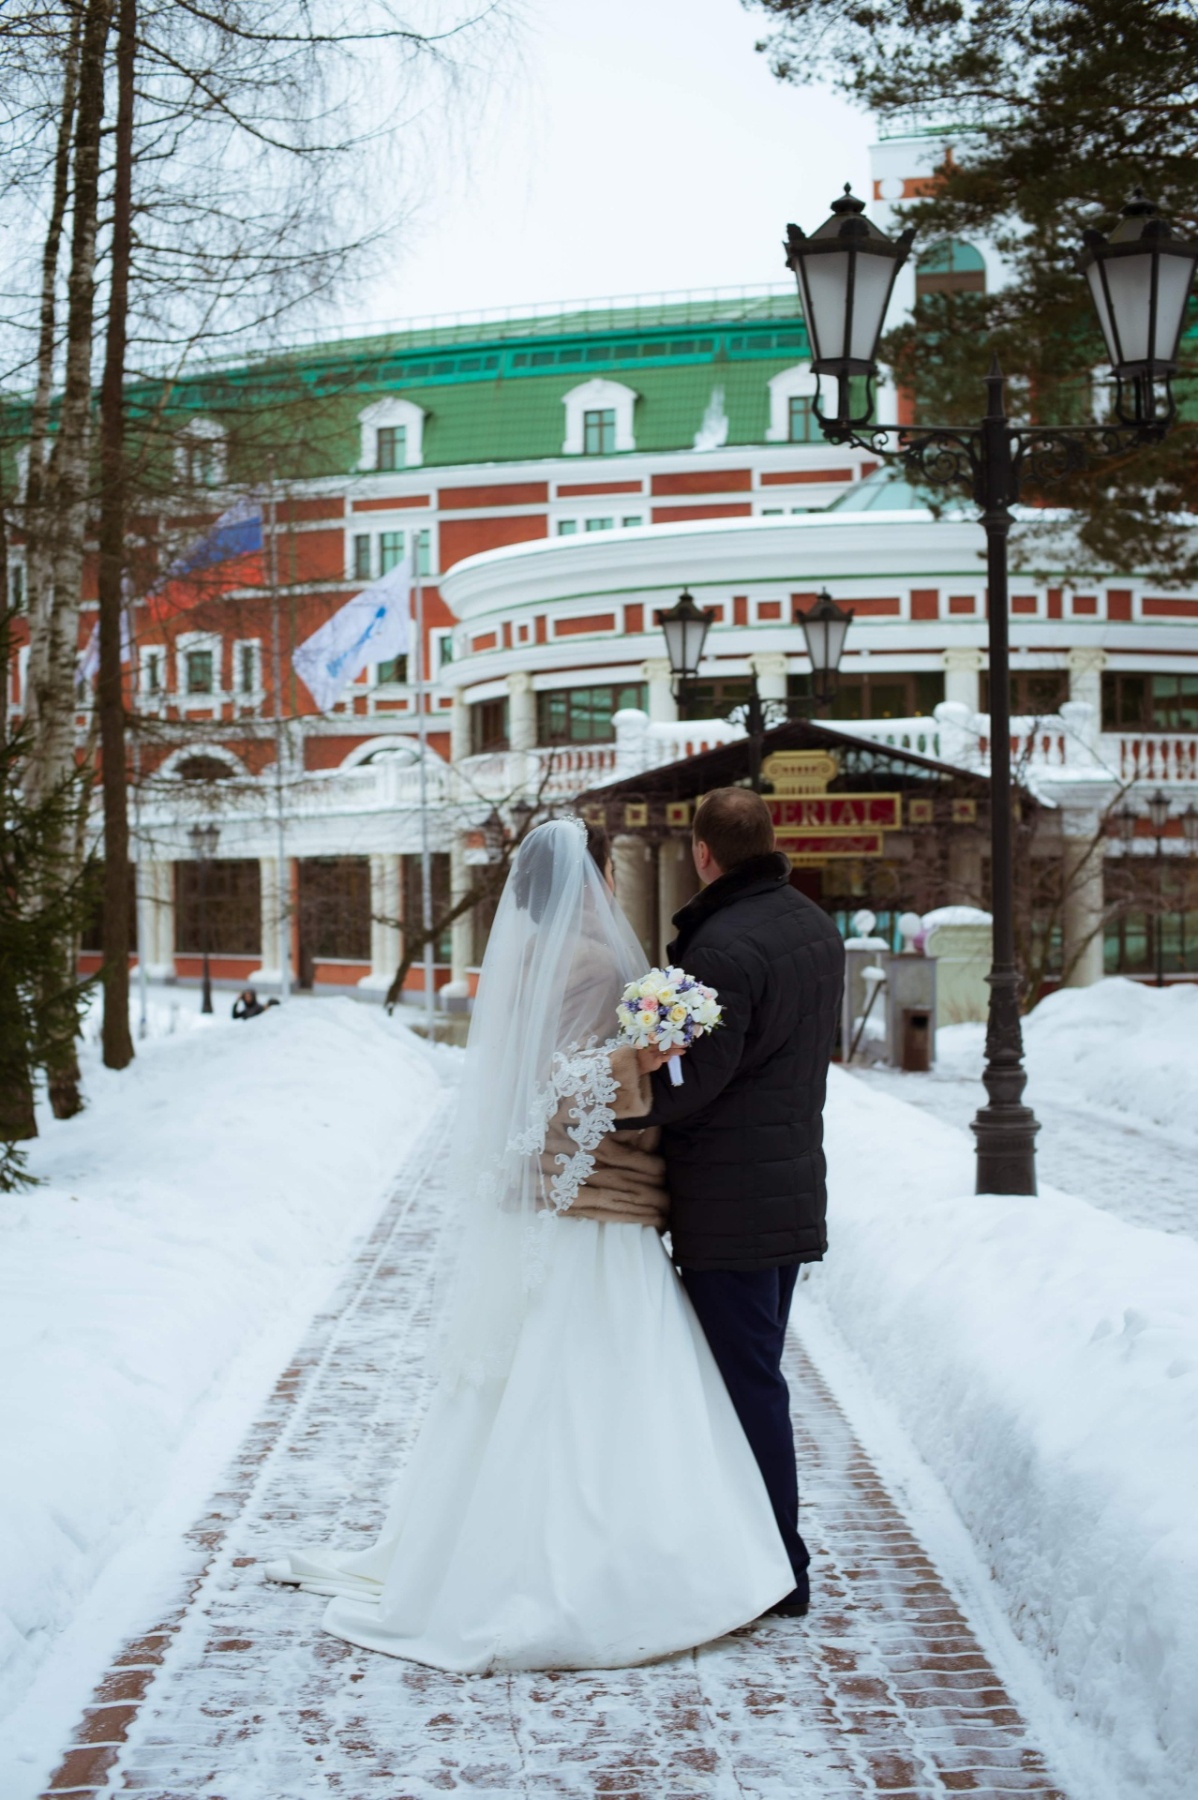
(426, 864)
(128, 623)
(282, 883)
(139, 904)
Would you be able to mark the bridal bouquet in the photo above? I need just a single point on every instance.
(665, 1008)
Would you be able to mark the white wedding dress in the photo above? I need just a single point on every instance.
(581, 1493)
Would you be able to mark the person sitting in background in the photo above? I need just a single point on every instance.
(247, 1005)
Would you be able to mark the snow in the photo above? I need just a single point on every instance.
(955, 915)
(1118, 1046)
(1040, 1355)
(1043, 1357)
(208, 1196)
(1123, 1045)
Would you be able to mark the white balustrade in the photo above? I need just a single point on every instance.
(1068, 741)
(1060, 748)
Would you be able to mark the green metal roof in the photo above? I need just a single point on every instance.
(499, 398)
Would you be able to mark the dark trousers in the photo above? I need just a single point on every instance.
(743, 1313)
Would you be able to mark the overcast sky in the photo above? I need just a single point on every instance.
(643, 147)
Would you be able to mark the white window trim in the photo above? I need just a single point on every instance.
(391, 411)
(198, 640)
(789, 384)
(204, 431)
(218, 752)
(598, 396)
(583, 526)
(252, 696)
(391, 687)
(146, 695)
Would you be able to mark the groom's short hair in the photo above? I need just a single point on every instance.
(735, 825)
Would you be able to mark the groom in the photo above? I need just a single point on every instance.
(743, 1135)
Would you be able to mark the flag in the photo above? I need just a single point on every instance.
(238, 532)
(228, 555)
(89, 657)
(373, 627)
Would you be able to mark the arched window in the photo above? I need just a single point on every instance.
(200, 455)
(392, 435)
(203, 768)
(792, 407)
(599, 418)
(950, 267)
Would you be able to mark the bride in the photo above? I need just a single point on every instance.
(581, 1494)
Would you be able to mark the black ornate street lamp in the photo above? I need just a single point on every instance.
(1140, 278)
(203, 846)
(685, 626)
(1158, 815)
(825, 627)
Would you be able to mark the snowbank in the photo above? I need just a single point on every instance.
(218, 1182)
(1118, 1045)
(1123, 1045)
(1043, 1356)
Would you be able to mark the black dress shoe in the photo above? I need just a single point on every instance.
(793, 1605)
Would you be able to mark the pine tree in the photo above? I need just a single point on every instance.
(1056, 110)
(45, 896)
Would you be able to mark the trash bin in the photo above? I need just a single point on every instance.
(910, 996)
(917, 1040)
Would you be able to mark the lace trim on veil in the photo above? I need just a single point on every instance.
(581, 1073)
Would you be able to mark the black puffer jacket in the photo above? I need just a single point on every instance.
(743, 1135)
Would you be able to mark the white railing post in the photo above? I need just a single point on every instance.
(959, 734)
(632, 746)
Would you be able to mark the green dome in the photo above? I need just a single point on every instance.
(886, 490)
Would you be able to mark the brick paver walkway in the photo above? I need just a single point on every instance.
(236, 1694)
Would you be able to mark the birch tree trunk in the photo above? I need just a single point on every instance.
(52, 749)
(117, 933)
(38, 593)
(17, 1117)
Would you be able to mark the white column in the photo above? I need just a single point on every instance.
(461, 954)
(663, 708)
(961, 671)
(385, 936)
(676, 884)
(965, 868)
(156, 900)
(459, 728)
(1085, 677)
(522, 713)
(272, 923)
(1083, 912)
(770, 668)
(636, 888)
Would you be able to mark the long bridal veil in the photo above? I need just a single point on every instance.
(559, 953)
(580, 1493)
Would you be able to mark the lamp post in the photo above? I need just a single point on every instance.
(1140, 279)
(203, 847)
(1158, 813)
(825, 627)
(685, 627)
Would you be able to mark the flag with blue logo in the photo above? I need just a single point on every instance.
(374, 627)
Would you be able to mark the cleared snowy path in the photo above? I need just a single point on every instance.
(234, 1693)
(1146, 1175)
